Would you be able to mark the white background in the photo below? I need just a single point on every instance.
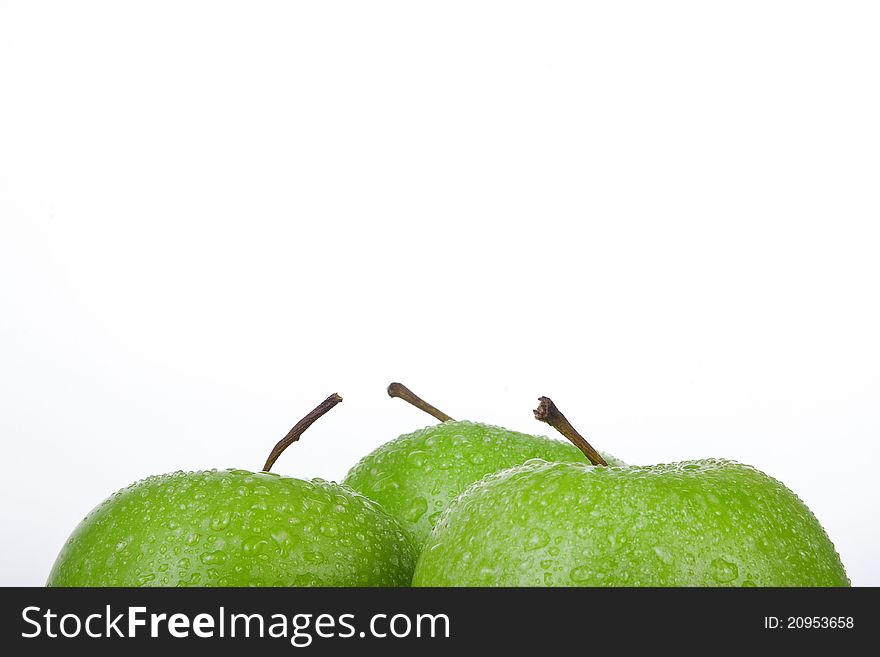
(214, 214)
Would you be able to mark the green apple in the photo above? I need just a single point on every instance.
(416, 476)
(697, 523)
(237, 528)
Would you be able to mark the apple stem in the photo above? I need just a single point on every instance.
(401, 391)
(299, 429)
(547, 412)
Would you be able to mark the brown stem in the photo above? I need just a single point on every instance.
(547, 412)
(299, 429)
(407, 395)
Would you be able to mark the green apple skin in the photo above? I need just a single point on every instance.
(696, 523)
(415, 477)
(235, 528)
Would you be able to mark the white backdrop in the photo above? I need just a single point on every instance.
(214, 214)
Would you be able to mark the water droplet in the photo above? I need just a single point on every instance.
(416, 509)
(329, 529)
(664, 554)
(280, 536)
(538, 538)
(220, 520)
(488, 573)
(581, 574)
(215, 557)
(723, 571)
(314, 557)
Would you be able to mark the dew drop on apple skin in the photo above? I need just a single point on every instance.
(314, 557)
(417, 508)
(220, 520)
(488, 574)
(329, 529)
(664, 554)
(214, 557)
(723, 571)
(415, 458)
(580, 574)
(537, 539)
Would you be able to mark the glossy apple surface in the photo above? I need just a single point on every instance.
(235, 528)
(698, 523)
(417, 475)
